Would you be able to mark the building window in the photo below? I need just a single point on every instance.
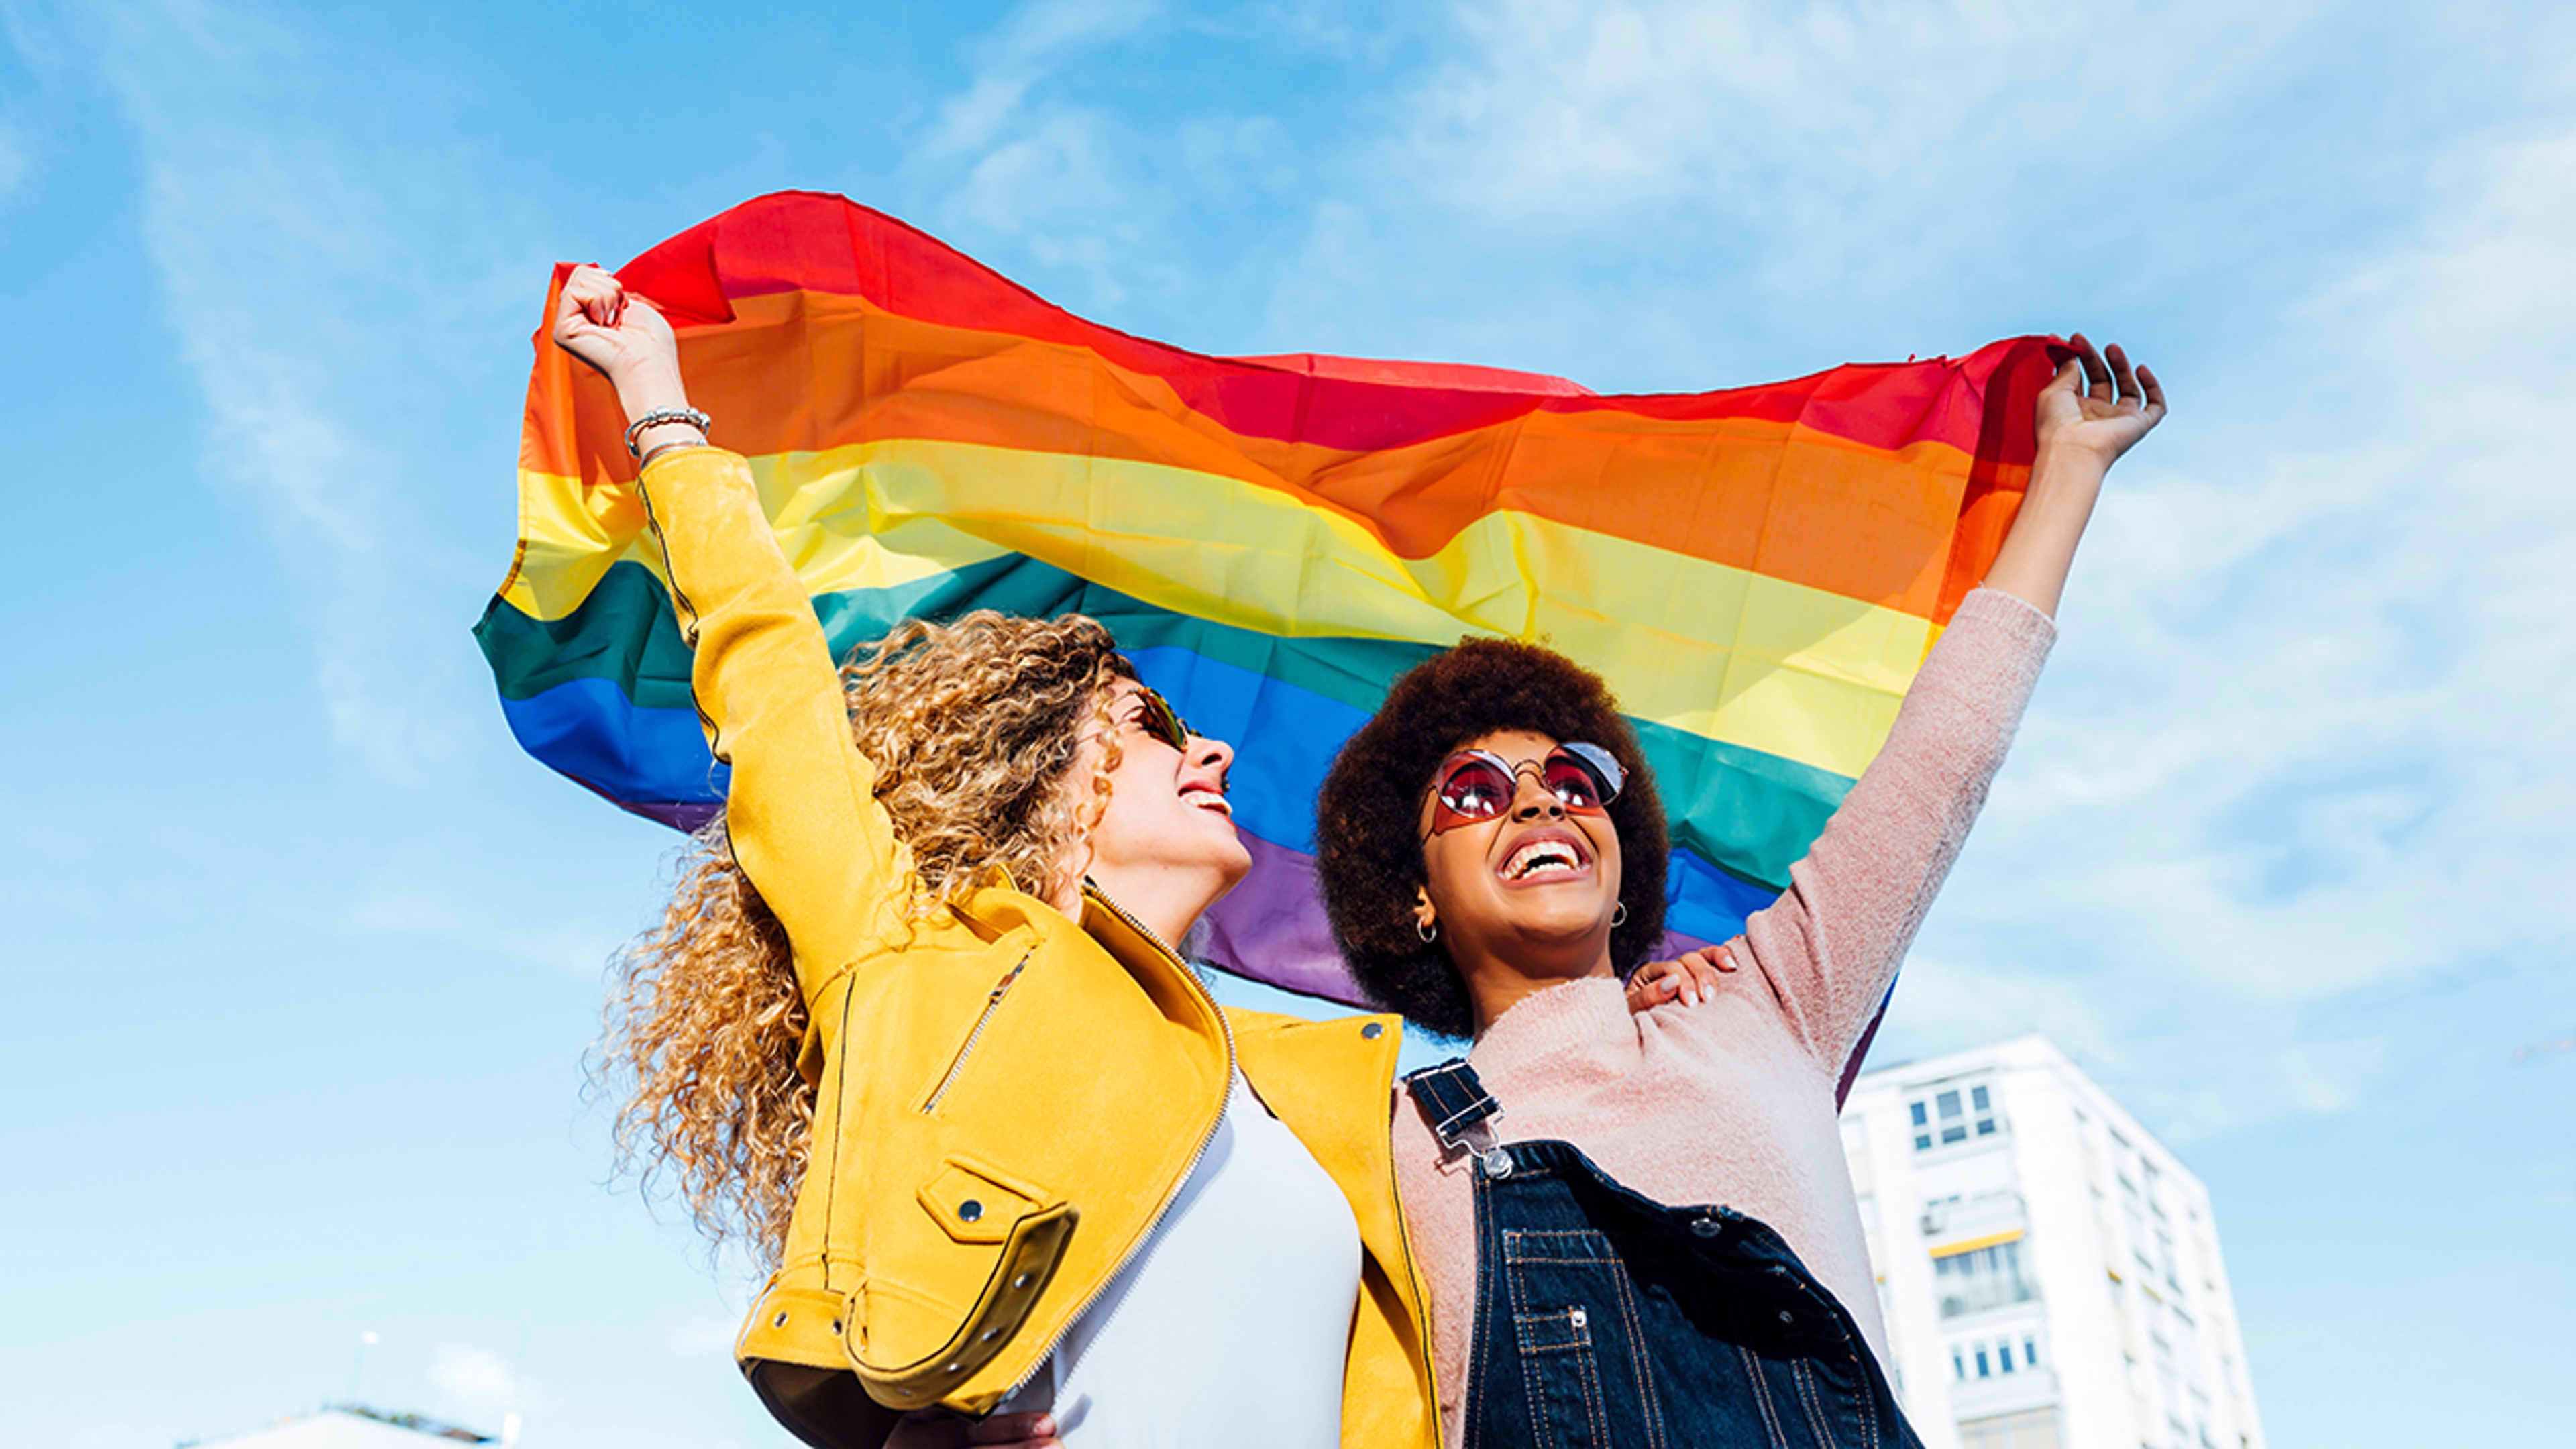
(1985, 1278)
(1953, 1114)
(1994, 1358)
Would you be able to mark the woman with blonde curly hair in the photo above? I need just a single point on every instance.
(911, 1027)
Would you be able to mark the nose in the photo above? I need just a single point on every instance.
(1531, 798)
(1215, 754)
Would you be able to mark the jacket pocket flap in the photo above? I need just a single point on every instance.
(979, 1203)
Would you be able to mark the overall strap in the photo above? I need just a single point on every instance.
(1460, 1112)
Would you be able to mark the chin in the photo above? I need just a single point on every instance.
(1555, 931)
(1237, 864)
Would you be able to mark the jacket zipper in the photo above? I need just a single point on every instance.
(992, 1004)
(1413, 1276)
(1206, 1136)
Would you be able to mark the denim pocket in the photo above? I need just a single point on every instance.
(1563, 1378)
(1573, 1321)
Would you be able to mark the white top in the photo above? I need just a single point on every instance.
(1231, 1324)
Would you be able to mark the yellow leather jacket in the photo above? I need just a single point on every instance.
(1007, 1100)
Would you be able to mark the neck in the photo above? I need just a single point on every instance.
(1498, 981)
(1165, 902)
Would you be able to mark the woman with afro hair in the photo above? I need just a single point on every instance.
(1660, 1243)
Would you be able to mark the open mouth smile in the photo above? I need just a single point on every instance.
(1207, 797)
(1548, 855)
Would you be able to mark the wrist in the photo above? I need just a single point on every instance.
(651, 389)
(666, 427)
(2060, 467)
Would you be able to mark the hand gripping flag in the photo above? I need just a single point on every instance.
(1757, 572)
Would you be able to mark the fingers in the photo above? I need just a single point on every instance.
(1653, 985)
(1690, 980)
(1705, 966)
(2097, 373)
(2125, 377)
(2069, 379)
(597, 295)
(2155, 394)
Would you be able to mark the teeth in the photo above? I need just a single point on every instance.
(1542, 855)
(1211, 800)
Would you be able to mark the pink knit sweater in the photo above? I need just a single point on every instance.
(1732, 1101)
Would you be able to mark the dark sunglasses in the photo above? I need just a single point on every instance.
(1478, 785)
(1160, 720)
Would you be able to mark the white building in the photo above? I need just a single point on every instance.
(2050, 1273)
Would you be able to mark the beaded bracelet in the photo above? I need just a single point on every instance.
(659, 416)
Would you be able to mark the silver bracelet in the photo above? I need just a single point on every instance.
(659, 416)
(675, 446)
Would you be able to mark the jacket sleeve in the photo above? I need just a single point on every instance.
(1828, 949)
(801, 810)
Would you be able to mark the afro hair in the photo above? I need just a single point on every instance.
(1368, 824)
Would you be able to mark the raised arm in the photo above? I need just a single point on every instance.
(2094, 410)
(801, 810)
(1828, 949)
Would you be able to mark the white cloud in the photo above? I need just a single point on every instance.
(475, 1381)
(326, 263)
(2299, 751)
(2305, 743)
(1032, 43)
(1017, 166)
(1574, 114)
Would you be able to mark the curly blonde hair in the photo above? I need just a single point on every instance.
(973, 728)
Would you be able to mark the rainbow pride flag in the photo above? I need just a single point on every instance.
(1758, 572)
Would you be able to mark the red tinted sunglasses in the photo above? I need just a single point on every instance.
(1478, 785)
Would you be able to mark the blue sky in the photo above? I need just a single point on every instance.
(305, 954)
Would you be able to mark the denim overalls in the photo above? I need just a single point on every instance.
(1605, 1319)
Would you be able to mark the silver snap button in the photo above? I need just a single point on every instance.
(1373, 1030)
(954, 1368)
(1706, 1227)
(969, 1210)
(1497, 1163)
(1787, 1317)
(1022, 1281)
(1578, 1318)
(988, 1335)
(836, 1325)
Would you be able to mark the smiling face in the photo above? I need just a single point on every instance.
(1166, 847)
(1535, 887)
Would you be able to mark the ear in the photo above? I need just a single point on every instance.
(1424, 917)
